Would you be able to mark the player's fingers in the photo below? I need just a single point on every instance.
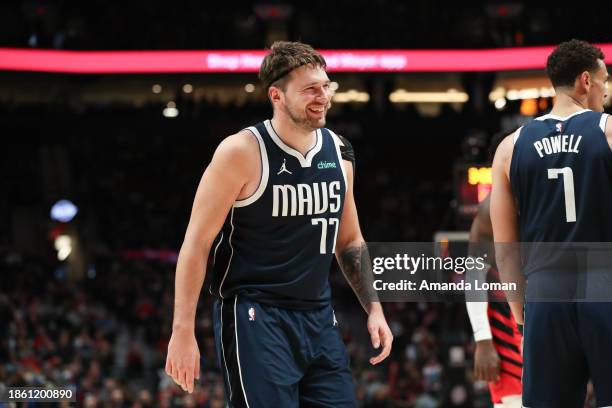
(477, 372)
(374, 337)
(487, 374)
(183, 378)
(387, 340)
(491, 372)
(169, 366)
(189, 379)
(196, 371)
(375, 360)
(175, 374)
(495, 372)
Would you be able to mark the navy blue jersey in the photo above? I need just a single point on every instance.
(277, 245)
(561, 176)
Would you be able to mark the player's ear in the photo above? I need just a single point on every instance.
(274, 94)
(585, 80)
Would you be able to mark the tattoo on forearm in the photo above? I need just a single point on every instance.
(357, 268)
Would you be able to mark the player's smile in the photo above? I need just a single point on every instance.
(318, 111)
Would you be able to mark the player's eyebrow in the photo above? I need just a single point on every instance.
(326, 82)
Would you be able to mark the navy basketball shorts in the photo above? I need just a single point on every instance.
(274, 357)
(565, 345)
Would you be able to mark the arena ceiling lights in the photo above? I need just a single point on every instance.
(236, 61)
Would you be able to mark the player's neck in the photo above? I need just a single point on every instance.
(294, 136)
(566, 104)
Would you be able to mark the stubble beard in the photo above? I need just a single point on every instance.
(303, 121)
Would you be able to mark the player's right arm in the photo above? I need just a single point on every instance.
(228, 177)
(504, 218)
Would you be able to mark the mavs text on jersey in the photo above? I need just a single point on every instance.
(277, 245)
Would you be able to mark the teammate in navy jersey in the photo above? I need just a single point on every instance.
(273, 207)
(552, 182)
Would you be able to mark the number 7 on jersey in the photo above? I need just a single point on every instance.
(324, 223)
(568, 188)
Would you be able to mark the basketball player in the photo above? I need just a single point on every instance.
(287, 195)
(552, 182)
(497, 358)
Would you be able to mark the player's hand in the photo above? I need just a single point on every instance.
(486, 361)
(380, 334)
(183, 361)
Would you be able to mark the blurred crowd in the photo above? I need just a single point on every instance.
(107, 334)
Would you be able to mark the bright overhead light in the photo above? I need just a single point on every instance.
(188, 88)
(171, 104)
(451, 96)
(352, 95)
(63, 246)
(249, 88)
(497, 93)
(63, 211)
(547, 92)
(520, 94)
(500, 103)
(527, 93)
(157, 88)
(334, 86)
(170, 112)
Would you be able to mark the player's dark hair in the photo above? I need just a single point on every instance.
(570, 59)
(283, 58)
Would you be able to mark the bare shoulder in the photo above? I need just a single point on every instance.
(503, 154)
(505, 148)
(242, 145)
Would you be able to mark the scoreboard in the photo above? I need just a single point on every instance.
(472, 184)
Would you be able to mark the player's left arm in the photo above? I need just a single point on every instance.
(354, 261)
(504, 218)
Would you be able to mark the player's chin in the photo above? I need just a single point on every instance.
(317, 122)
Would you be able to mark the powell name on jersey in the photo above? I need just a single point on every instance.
(561, 175)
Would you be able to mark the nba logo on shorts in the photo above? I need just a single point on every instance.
(251, 314)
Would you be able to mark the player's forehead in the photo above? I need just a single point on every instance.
(308, 75)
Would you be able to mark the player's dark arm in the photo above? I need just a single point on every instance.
(504, 218)
(486, 359)
(481, 243)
